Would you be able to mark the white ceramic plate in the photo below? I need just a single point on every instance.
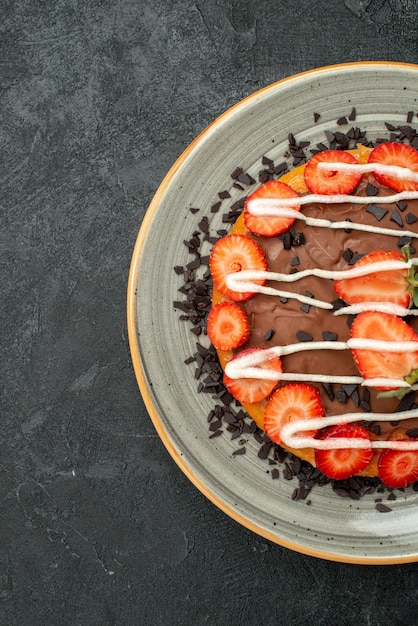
(332, 527)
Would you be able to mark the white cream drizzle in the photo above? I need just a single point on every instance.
(291, 438)
(394, 171)
(273, 209)
(244, 281)
(250, 365)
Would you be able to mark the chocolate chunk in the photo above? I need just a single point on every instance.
(410, 218)
(269, 334)
(328, 390)
(409, 117)
(237, 171)
(378, 211)
(295, 261)
(401, 205)
(264, 450)
(341, 396)
(328, 336)
(382, 508)
(338, 304)
(298, 239)
(349, 389)
(341, 121)
(396, 217)
(330, 136)
(245, 179)
(286, 238)
(371, 190)
(412, 432)
(302, 335)
(356, 257)
(347, 255)
(316, 117)
(404, 240)
(353, 114)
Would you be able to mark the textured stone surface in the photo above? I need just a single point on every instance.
(97, 524)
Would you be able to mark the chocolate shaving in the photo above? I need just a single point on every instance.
(302, 335)
(396, 217)
(378, 211)
(382, 508)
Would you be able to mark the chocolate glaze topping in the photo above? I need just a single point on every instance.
(331, 250)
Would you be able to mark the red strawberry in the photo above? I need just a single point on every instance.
(227, 326)
(234, 253)
(389, 286)
(250, 390)
(398, 468)
(269, 226)
(331, 182)
(375, 364)
(296, 401)
(391, 153)
(344, 462)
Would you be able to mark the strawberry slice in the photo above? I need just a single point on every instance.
(296, 401)
(380, 364)
(234, 253)
(227, 326)
(344, 462)
(391, 153)
(388, 286)
(268, 225)
(331, 182)
(251, 390)
(398, 468)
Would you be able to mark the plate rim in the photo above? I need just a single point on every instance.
(132, 335)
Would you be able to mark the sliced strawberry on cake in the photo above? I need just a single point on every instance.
(341, 463)
(227, 326)
(391, 153)
(383, 286)
(295, 401)
(402, 365)
(234, 253)
(252, 390)
(330, 182)
(268, 225)
(398, 468)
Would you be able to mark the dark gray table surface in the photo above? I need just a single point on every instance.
(98, 526)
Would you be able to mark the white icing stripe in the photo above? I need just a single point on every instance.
(250, 365)
(394, 171)
(290, 437)
(243, 281)
(278, 211)
(353, 272)
(249, 286)
(381, 307)
(259, 206)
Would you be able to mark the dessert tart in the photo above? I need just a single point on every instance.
(314, 315)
